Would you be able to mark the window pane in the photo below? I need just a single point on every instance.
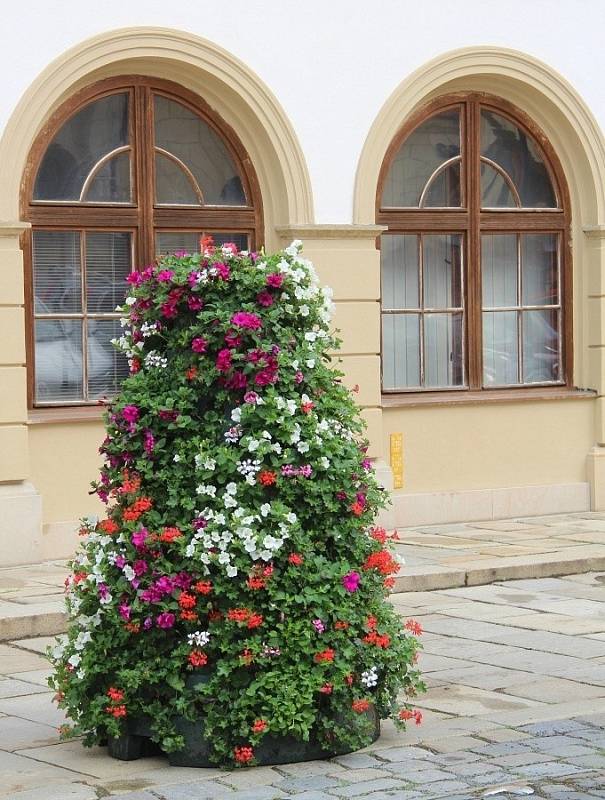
(432, 143)
(172, 184)
(111, 184)
(240, 240)
(495, 191)
(500, 348)
(182, 133)
(443, 354)
(58, 360)
(541, 346)
(108, 262)
(188, 242)
(442, 270)
(174, 242)
(499, 269)
(399, 271)
(57, 272)
(400, 351)
(92, 133)
(107, 368)
(521, 158)
(539, 262)
(444, 189)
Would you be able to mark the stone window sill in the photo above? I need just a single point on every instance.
(462, 398)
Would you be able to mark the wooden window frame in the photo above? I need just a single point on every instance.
(471, 221)
(142, 216)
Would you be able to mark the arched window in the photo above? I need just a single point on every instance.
(476, 278)
(128, 169)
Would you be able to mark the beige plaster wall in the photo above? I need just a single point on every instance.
(64, 460)
(453, 448)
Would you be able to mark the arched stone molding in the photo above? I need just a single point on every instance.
(225, 83)
(529, 83)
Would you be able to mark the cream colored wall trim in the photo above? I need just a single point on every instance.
(13, 228)
(330, 231)
(594, 231)
(497, 67)
(437, 508)
(227, 84)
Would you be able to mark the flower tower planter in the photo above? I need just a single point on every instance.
(230, 607)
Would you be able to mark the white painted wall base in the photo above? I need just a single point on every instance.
(435, 508)
(20, 524)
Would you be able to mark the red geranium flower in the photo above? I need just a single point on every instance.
(325, 655)
(197, 659)
(296, 559)
(259, 726)
(243, 755)
(359, 706)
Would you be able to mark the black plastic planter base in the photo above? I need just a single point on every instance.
(271, 750)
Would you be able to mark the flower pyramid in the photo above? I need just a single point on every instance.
(238, 543)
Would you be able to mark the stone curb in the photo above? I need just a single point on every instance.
(420, 579)
(28, 626)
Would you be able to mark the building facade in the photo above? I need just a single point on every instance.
(444, 167)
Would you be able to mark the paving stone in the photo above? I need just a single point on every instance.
(357, 761)
(11, 687)
(310, 768)
(16, 733)
(425, 776)
(314, 782)
(35, 707)
(20, 773)
(593, 761)
(199, 790)
(403, 753)
(552, 744)
(521, 759)
(549, 769)
(256, 776)
(447, 788)
(553, 727)
(135, 796)
(368, 774)
(500, 749)
(365, 787)
(64, 791)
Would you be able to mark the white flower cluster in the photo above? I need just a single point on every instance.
(237, 529)
(154, 359)
(198, 638)
(369, 678)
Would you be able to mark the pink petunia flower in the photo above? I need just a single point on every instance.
(275, 280)
(199, 344)
(244, 319)
(165, 620)
(351, 581)
(223, 360)
(265, 299)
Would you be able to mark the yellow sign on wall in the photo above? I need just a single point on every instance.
(397, 459)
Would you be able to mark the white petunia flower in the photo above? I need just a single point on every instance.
(231, 571)
(198, 638)
(236, 414)
(176, 458)
(265, 509)
(302, 447)
(369, 678)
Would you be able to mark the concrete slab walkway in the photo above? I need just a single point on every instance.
(516, 705)
(437, 557)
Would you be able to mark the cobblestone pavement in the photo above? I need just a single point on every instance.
(516, 705)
